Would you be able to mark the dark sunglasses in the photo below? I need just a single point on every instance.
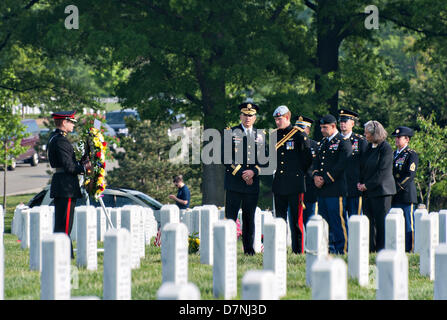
(248, 115)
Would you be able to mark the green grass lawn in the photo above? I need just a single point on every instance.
(21, 283)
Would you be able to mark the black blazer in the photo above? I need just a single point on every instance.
(330, 163)
(293, 159)
(249, 161)
(61, 155)
(376, 170)
(404, 172)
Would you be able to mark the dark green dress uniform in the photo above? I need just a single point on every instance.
(65, 187)
(238, 193)
(405, 164)
(330, 163)
(293, 160)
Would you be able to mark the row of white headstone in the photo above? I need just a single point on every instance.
(134, 226)
(326, 276)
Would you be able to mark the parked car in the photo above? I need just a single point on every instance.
(112, 198)
(116, 119)
(30, 156)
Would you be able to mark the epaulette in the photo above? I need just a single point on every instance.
(298, 128)
(359, 135)
(346, 138)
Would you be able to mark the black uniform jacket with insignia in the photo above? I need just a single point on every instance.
(404, 172)
(293, 159)
(376, 170)
(330, 163)
(233, 171)
(352, 172)
(311, 190)
(61, 155)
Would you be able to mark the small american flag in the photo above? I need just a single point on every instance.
(157, 240)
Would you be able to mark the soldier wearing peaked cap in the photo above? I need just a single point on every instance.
(330, 180)
(359, 144)
(404, 171)
(293, 160)
(242, 173)
(310, 196)
(64, 183)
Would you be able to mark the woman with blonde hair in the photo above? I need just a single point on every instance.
(376, 182)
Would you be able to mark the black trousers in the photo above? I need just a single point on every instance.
(248, 202)
(282, 205)
(63, 216)
(376, 208)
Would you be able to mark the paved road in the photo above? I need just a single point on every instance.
(26, 179)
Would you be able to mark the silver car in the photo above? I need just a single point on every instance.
(112, 198)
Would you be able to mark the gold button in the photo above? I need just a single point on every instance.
(282, 153)
(322, 158)
(324, 151)
(321, 169)
(322, 163)
(282, 162)
(281, 171)
(247, 164)
(249, 147)
(248, 152)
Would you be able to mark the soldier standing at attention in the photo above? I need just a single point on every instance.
(354, 196)
(242, 174)
(405, 164)
(329, 177)
(310, 196)
(65, 187)
(293, 160)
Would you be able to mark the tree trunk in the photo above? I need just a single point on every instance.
(213, 99)
(5, 169)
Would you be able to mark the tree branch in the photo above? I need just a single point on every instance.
(4, 42)
(405, 25)
(310, 5)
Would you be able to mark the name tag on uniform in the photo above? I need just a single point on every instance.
(290, 145)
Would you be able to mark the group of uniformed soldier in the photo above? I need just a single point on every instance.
(313, 177)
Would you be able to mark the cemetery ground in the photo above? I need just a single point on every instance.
(23, 284)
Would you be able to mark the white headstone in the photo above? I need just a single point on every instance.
(141, 240)
(74, 228)
(130, 220)
(222, 213)
(209, 217)
(169, 213)
(266, 216)
(225, 259)
(115, 217)
(329, 279)
(86, 234)
(52, 219)
(174, 253)
(429, 240)
(440, 283)
(257, 243)
(172, 291)
(275, 252)
(117, 278)
(100, 223)
(417, 234)
(2, 220)
(195, 221)
(317, 239)
(56, 267)
(358, 248)
(392, 275)
(443, 226)
(395, 230)
(150, 225)
(40, 226)
(16, 227)
(25, 225)
(259, 285)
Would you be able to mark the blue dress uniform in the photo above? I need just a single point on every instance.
(65, 187)
(330, 163)
(293, 160)
(310, 195)
(238, 192)
(405, 164)
(352, 172)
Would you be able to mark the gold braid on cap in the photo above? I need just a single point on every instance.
(249, 109)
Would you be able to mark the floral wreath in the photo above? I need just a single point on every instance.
(95, 183)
